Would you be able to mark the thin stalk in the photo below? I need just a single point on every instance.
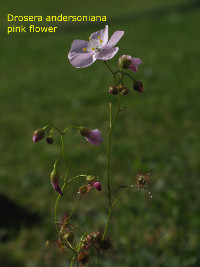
(58, 198)
(72, 261)
(124, 73)
(47, 126)
(78, 176)
(63, 187)
(114, 75)
(75, 207)
(108, 163)
(120, 195)
(72, 126)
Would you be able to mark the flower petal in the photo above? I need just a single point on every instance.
(137, 60)
(79, 60)
(103, 35)
(134, 64)
(94, 137)
(78, 45)
(115, 38)
(107, 53)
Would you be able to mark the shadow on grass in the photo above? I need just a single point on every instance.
(14, 218)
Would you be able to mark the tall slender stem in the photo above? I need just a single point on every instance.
(120, 195)
(72, 261)
(58, 198)
(108, 163)
(75, 207)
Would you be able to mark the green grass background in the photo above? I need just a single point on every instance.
(158, 132)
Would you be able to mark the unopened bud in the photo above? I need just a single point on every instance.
(83, 258)
(55, 181)
(90, 179)
(124, 61)
(49, 140)
(97, 185)
(113, 90)
(123, 89)
(38, 135)
(69, 237)
(84, 189)
(84, 131)
(105, 244)
(138, 86)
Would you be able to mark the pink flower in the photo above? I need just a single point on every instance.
(128, 62)
(92, 136)
(82, 53)
(134, 64)
(97, 185)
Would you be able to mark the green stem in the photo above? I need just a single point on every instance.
(68, 245)
(47, 126)
(72, 126)
(72, 261)
(78, 176)
(114, 75)
(108, 219)
(120, 195)
(75, 207)
(124, 73)
(58, 198)
(63, 187)
(108, 163)
(109, 68)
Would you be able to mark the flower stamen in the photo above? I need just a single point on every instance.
(84, 49)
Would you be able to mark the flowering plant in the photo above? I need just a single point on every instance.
(82, 54)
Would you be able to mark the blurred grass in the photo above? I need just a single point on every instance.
(159, 132)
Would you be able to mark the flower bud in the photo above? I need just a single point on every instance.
(49, 140)
(124, 61)
(113, 90)
(105, 244)
(69, 237)
(83, 258)
(97, 185)
(55, 181)
(142, 180)
(90, 179)
(124, 91)
(138, 86)
(99, 237)
(92, 136)
(84, 189)
(84, 131)
(38, 135)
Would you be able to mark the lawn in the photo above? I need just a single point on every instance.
(157, 133)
